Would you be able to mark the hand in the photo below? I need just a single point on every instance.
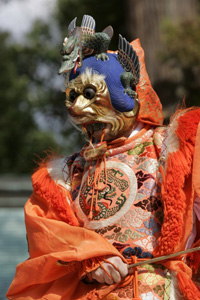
(116, 274)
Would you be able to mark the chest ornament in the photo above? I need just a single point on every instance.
(113, 196)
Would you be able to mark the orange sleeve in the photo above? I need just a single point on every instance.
(59, 252)
(196, 163)
(196, 174)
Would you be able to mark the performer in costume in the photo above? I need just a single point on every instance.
(130, 195)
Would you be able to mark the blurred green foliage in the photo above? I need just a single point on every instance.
(19, 135)
(27, 87)
(104, 12)
(181, 50)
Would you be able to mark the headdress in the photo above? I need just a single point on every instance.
(124, 70)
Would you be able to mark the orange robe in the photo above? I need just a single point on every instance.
(60, 253)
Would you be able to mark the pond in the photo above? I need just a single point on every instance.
(13, 245)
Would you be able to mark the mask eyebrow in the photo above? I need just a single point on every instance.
(86, 78)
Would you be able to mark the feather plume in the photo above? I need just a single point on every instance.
(88, 25)
(71, 26)
(128, 58)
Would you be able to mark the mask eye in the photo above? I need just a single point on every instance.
(89, 92)
(73, 95)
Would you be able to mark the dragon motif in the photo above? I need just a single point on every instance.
(82, 42)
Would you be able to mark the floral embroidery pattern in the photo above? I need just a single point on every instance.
(148, 243)
(134, 218)
(150, 279)
(139, 149)
(123, 236)
(159, 290)
(126, 292)
(154, 278)
(150, 227)
(150, 204)
(141, 178)
(134, 160)
(149, 165)
(102, 231)
(149, 152)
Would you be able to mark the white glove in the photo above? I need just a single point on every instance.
(116, 275)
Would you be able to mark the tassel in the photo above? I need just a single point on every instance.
(187, 287)
(193, 260)
(135, 280)
(95, 184)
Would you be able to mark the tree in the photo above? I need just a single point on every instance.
(104, 12)
(19, 132)
(144, 19)
(153, 22)
(182, 52)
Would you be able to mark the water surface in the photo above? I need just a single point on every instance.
(13, 245)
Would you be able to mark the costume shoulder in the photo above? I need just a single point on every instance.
(51, 187)
(183, 141)
(177, 188)
(183, 129)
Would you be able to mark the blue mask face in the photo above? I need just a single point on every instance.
(112, 70)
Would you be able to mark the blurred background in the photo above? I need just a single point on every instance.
(33, 118)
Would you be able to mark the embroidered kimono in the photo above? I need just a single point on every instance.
(129, 211)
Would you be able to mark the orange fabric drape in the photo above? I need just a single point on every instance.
(178, 188)
(150, 106)
(196, 163)
(59, 253)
